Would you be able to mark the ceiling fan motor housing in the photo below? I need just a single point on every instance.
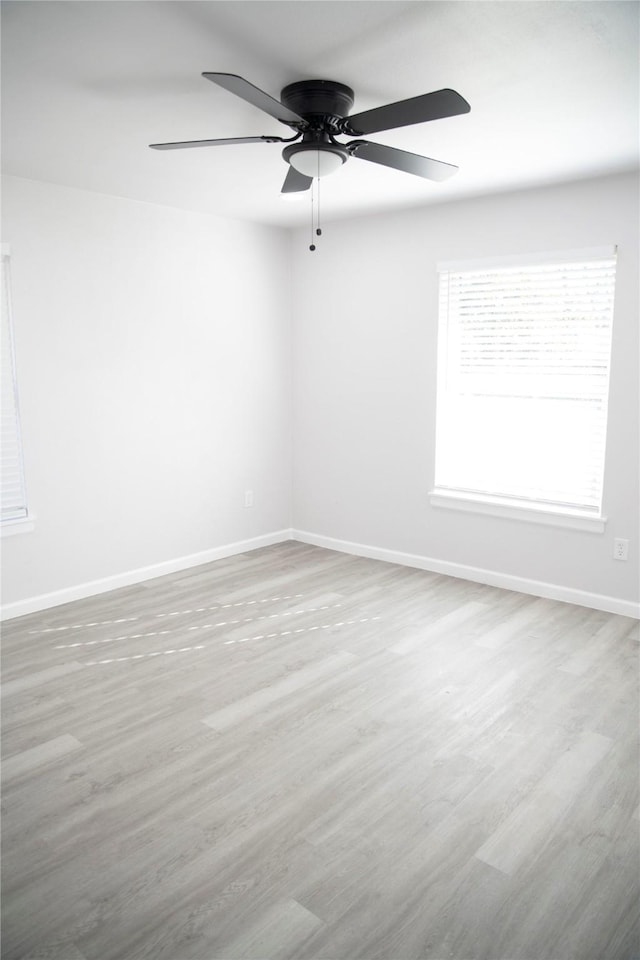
(319, 100)
(322, 104)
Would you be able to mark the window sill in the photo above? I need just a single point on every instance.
(11, 528)
(529, 512)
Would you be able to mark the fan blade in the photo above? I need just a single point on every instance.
(430, 106)
(214, 143)
(401, 160)
(258, 98)
(295, 182)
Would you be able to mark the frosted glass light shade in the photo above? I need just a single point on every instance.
(316, 163)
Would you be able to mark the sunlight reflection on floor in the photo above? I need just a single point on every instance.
(203, 626)
(172, 613)
(259, 636)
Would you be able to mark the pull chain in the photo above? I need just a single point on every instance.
(312, 245)
(318, 231)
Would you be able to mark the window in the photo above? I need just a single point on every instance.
(523, 379)
(14, 502)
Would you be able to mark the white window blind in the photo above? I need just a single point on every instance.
(12, 487)
(523, 379)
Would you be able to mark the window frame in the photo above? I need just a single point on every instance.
(499, 504)
(21, 521)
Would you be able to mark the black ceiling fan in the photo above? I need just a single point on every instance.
(317, 110)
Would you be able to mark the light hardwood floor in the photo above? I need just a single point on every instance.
(295, 754)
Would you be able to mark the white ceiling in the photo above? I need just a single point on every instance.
(87, 85)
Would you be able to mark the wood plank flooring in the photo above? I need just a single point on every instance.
(295, 754)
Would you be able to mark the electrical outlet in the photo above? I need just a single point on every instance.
(620, 549)
(248, 498)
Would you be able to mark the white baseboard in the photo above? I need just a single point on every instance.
(492, 578)
(536, 588)
(94, 587)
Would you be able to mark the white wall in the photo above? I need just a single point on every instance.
(364, 334)
(154, 363)
(154, 372)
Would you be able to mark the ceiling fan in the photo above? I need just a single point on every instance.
(317, 110)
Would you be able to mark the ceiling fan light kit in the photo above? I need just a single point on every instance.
(318, 112)
(314, 159)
